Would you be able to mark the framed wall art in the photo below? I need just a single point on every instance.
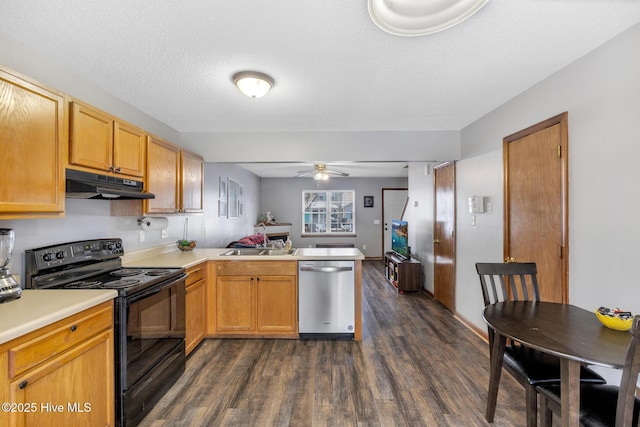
(233, 198)
(368, 201)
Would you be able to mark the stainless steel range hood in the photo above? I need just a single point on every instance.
(86, 185)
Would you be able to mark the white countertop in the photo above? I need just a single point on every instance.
(177, 258)
(39, 308)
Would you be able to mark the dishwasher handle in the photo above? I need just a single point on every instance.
(326, 269)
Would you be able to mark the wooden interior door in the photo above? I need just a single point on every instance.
(444, 266)
(536, 203)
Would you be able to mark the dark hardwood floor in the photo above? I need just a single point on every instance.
(416, 366)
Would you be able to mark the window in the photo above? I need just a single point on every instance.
(328, 212)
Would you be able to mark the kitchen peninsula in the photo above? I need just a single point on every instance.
(235, 306)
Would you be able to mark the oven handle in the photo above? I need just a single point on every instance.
(155, 289)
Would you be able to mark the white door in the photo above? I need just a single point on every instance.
(393, 203)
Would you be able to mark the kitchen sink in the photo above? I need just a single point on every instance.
(278, 252)
(258, 251)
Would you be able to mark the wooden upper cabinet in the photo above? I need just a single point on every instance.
(192, 182)
(163, 176)
(129, 149)
(103, 143)
(32, 135)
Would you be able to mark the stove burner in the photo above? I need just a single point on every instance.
(84, 284)
(158, 272)
(122, 283)
(125, 272)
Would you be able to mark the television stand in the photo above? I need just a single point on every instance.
(404, 274)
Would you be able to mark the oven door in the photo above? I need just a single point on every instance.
(155, 327)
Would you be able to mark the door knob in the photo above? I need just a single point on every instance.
(436, 241)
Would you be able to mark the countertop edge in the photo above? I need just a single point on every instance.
(39, 308)
(188, 259)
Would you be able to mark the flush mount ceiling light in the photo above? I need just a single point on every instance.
(252, 83)
(419, 18)
(320, 172)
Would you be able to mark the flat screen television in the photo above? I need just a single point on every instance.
(400, 238)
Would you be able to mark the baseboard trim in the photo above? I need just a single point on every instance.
(471, 326)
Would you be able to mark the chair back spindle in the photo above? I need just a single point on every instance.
(509, 281)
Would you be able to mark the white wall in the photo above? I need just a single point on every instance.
(90, 219)
(326, 146)
(220, 231)
(283, 197)
(601, 93)
(419, 215)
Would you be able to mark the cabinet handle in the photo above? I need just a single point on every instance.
(258, 279)
(118, 169)
(23, 384)
(73, 328)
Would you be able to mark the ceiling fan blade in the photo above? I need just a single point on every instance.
(320, 168)
(330, 172)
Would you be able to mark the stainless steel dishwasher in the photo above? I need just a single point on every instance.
(326, 299)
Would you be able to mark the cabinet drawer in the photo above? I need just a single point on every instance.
(259, 268)
(196, 273)
(64, 335)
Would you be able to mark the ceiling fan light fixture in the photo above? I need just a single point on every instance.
(320, 176)
(253, 83)
(420, 18)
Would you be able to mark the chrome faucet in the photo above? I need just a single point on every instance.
(264, 234)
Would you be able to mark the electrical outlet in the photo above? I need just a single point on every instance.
(140, 236)
(165, 233)
(364, 246)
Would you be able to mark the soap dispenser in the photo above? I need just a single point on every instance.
(287, 244)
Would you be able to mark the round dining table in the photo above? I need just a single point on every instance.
(572, 333)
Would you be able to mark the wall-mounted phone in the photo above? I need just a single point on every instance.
(476, 205)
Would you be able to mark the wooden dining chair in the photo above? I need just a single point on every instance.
(531, 368)
(602, 405)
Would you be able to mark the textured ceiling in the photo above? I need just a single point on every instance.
(334, 70)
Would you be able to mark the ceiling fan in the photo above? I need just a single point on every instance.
(320, 172)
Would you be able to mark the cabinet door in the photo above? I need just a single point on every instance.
(75, 388)
(129, 149)
(276, 303)
(31, 137)
(195, 316)
(91, 142)
(192, 182)
(235, 304)
(163, 168)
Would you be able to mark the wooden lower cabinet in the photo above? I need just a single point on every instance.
(257, 298)
(235, 304)
(276, 304)
(196, 300)
(62, 374)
